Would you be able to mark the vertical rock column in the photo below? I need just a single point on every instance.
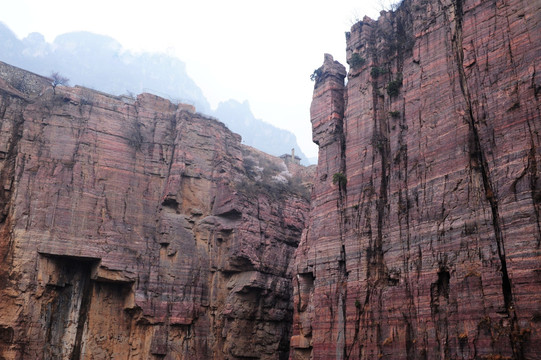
(427, 244)
(327, 116)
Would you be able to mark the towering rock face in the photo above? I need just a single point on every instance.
(135, 228)
(424, 240)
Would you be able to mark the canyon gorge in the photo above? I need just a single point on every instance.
(136, 228)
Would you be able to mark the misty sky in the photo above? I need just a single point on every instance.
(260, 51)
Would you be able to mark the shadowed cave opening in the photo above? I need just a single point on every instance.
(439, 289)
(171, 204)
(73, 301)
(66, 303)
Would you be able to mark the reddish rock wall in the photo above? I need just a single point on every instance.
(427, 244)
(135, 228)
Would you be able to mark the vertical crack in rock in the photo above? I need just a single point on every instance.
(7, 170)
(535, 186)
(479, 156)
(7, 183)
(439, 301)
(86, 296)
(341, 350)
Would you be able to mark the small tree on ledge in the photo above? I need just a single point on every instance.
(316, 75)
(58, 80)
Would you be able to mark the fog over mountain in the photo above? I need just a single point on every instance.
(263, 136)
(100, 62)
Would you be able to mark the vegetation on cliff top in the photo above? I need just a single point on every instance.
(269, 176)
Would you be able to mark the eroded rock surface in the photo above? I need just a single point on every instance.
(424, 241)
(133, 228)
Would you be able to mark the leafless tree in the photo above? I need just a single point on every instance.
(58, 80)
(389, 5)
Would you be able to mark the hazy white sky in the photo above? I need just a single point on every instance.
(260, 51)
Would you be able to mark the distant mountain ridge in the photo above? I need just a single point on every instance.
(239, 118)
(100, 62)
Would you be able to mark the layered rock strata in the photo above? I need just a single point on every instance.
(424, 239)
(133, 228)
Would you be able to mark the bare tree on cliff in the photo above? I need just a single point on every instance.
(389, 5)
(58, 80)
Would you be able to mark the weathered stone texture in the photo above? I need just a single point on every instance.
(138, 229)
(432, 248)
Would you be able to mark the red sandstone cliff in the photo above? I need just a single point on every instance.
(138, 229)
(424, 239)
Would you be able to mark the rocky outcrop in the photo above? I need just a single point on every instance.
(424, 239)
(135, 228)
